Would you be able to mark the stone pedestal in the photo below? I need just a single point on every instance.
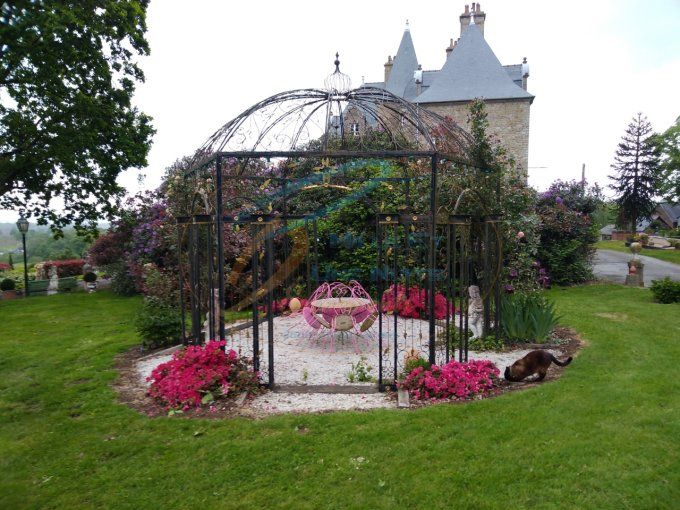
(635, 276)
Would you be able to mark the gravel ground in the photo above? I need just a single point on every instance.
(304, 360)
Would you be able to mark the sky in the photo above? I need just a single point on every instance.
(593, 66)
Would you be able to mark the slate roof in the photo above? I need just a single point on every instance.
(670, 213)
(472, 70)
(401, 82)
(515, 73)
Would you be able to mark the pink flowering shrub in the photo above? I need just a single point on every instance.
(460, 381)
(199, 374)
(412, 302)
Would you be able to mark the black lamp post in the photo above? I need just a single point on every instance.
(22, 225)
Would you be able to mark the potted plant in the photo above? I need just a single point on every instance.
(90, 280)
(8, 286)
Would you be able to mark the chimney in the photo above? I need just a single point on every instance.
(525, 73)
(473, 15)
(450, 48)
(388, 68)
(418, 77)
(465, 18)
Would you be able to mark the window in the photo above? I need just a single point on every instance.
(355, 128)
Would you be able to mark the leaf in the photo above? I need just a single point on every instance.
(198, 433)
(208, 398)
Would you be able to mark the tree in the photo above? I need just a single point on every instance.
(67, 125)
(668, 149)
(636, 164)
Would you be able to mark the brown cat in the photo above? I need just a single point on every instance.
(534, 362)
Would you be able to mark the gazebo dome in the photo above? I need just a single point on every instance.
(334, 120)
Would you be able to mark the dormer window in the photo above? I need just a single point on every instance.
(355, 128)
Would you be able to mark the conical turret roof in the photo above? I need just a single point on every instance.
(400, 81)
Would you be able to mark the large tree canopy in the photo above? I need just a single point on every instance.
(67, 125)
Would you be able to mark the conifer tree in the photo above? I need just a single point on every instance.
(636, 165)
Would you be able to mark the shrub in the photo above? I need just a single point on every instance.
(67, 284)
(527, 317)
(7, 284)
(666, 290)
(4, 266)
(65, 268)
(158, 324)
(460, 381)
(567, 231)
(199, 375)
(107, 249)
(122, 282)
(90, 277)
(160, 284)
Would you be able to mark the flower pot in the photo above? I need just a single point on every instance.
(9, 294)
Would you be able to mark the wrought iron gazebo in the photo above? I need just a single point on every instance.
(250, 175)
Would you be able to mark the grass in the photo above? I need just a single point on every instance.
(667, 255)
(604, 436)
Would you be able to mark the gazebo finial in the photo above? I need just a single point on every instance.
(337, 81)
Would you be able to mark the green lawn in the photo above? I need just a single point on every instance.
(603, 436)
(667, 255)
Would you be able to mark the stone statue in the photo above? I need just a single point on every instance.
(475, 311)
(53, 286)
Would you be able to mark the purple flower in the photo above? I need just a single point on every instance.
(559, 200)
(513, 273)
(509, 289)
(541, 271)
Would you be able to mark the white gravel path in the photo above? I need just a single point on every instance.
(300, 359)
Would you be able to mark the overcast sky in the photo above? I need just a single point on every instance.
(593, 65)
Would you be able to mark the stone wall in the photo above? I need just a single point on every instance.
(509, 120)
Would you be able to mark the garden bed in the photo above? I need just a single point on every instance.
(325, 388)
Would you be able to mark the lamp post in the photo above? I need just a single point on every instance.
(22, 225)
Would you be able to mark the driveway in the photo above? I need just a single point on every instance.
(612, 266)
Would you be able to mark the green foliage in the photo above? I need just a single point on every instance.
(7, 284)
(568, 234)
(68, 71)
(667, 145)
(486, 343)
(158, 324)
(413, 363)
(637, 165)
(360, 371)
(42, 245)
(90, 277)
(122, 282)
(67, 284)
(160, 285)
(527, 317)
(666, 290)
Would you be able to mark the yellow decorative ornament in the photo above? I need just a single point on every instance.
(294, 305)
